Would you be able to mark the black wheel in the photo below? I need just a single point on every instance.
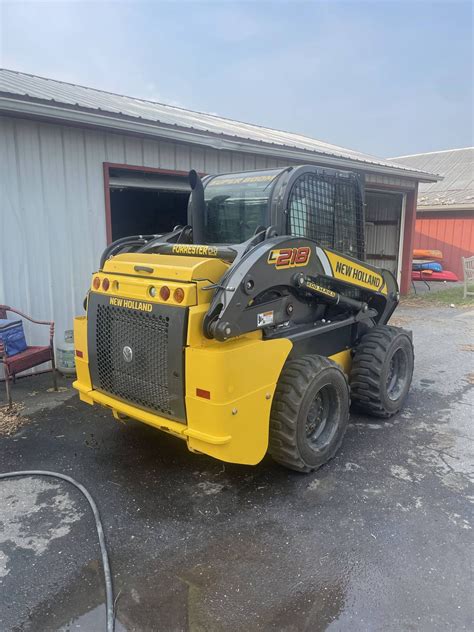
(382, 369)
(309, 414)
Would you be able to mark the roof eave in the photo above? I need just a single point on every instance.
(110, 121)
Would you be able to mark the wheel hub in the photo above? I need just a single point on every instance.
(397, 374)
(321, 420)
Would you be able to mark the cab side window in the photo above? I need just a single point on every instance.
(328, 209)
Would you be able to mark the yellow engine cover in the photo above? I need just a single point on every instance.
(240, 376)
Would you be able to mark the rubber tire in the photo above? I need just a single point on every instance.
(370, 366)
(299, 382)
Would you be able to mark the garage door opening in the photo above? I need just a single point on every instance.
(384, 217)
(144, 203)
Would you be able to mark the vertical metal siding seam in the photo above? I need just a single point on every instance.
(102, 203)
(88, 196)
(106, 149)
(447, 245)
(70, 233)
(158, 152)
(124, 148)
(22, 259)
(48, 227)
(450, 235)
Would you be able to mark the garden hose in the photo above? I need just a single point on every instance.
(109, 592)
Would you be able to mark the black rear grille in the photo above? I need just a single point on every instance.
(132, 358)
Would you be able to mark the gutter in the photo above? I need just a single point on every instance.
(117, 123)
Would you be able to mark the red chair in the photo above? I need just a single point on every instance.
(32, 356)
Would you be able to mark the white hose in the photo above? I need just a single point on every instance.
(109, 592)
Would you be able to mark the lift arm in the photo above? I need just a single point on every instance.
(286, 282)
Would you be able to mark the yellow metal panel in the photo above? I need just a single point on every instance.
(344, 359)
(241, 376)
(242, 435)
(196, 337)
(232, 369)
(170, 267)
(80, 335)
(355, 273)
(80, 344)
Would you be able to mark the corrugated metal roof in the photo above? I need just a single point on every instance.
(18, 87)
(457, 168)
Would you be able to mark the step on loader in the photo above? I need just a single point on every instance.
(253, 328)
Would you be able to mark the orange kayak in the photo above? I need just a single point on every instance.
(427, 254)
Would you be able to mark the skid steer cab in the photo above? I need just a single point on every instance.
(252, 328)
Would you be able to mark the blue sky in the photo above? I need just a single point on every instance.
(387, 78)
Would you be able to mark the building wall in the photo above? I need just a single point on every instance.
(52, 222)
(452, 233)
(52, 215)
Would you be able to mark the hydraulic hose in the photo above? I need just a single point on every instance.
(109, 592)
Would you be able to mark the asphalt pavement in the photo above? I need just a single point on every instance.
(378, 539)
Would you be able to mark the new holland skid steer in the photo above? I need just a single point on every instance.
(251, 329)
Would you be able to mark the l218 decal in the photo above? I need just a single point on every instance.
(289, 257)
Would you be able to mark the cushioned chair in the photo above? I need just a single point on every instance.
(32, 356)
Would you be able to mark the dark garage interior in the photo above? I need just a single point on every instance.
(145, 202)
(146, 212)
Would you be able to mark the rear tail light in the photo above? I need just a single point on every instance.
(178, 295)
(96, 283)
(165, 292)
(105, 284)
(201, 392)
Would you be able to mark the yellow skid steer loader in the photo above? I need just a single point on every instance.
(251, 329)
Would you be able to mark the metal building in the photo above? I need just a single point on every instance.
(81, 167)
(445, 210)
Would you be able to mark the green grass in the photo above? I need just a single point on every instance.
(448, 296)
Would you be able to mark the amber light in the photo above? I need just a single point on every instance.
(178, 295)
(200, 392)
(165, 292)
(105, 284)
(96, 283)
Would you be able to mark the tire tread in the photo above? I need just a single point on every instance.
(367, 367)
(292, 385)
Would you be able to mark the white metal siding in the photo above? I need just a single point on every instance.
(52, 214)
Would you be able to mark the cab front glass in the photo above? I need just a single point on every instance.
(237, 204)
